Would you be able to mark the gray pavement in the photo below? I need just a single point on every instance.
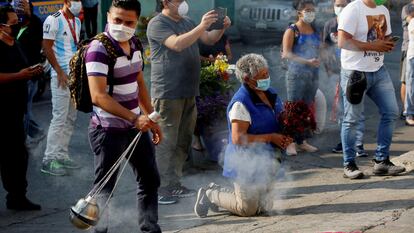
(313, 198)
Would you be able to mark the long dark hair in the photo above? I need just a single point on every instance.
(299, 5)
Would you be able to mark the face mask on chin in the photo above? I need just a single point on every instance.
(120, 32)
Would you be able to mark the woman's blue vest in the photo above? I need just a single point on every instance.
(264, 120)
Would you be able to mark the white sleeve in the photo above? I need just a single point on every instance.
(388, 19)
(50, 28)
(78, 27)
(348, 21)
(239, 112)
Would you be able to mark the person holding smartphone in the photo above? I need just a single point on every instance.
(364, 37)
(14, 74)
(175, 78)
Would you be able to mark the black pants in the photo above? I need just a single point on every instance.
(13, 151)
(107, 147)
(91, 17)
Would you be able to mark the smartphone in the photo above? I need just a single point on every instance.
(221, 14)
(35, 66)
(395, 38)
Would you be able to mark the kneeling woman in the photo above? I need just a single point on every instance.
(253, 154)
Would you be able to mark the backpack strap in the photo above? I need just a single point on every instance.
(112, 54)
(295, 30)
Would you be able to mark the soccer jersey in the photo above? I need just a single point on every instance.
(56, 27)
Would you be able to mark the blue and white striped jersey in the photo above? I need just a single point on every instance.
(56, 28)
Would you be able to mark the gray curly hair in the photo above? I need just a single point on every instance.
(249, 65)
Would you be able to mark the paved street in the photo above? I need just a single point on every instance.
(313, 197)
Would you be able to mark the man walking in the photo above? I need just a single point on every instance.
(60, 37)
(175, 75)
(117, 118)
(364, 36)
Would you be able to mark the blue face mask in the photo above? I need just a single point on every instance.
(263, 84)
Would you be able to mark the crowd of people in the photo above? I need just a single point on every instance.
(352, 47)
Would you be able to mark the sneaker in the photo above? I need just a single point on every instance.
(22, 204)
(307, 147)
(202, 204)
(182, 192)
(54, 168)
(360, 152)
(337, 149)
(386, 168)
(166, 200)
(68, 163)
(409, 120)
(291, 150)
(213, 186)
(352, 171)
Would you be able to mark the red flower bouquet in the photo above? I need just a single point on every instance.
(297, 118)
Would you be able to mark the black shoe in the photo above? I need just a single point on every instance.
(352, 171)
(165, 199)
(22, 204)
(386, 168)
(360, 152)
(181, 192)
(338, 148)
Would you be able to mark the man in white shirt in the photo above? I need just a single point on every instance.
(364, 36)
(60, 38)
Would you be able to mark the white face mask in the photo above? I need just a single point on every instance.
(309, 17)
(75, 7)
(338, 10)
(182, 8)
(120, 32)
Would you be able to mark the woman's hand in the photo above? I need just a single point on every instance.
(281, 140)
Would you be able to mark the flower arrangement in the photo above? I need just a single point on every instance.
(297, 118)
(215, 88)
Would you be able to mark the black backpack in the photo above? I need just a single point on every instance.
(78, 78)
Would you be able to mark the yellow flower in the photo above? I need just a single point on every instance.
(221, 63)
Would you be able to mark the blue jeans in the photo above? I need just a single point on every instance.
(409, 85)
(31, 128)
(360, 127)
(381, 90)
(302, 85)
